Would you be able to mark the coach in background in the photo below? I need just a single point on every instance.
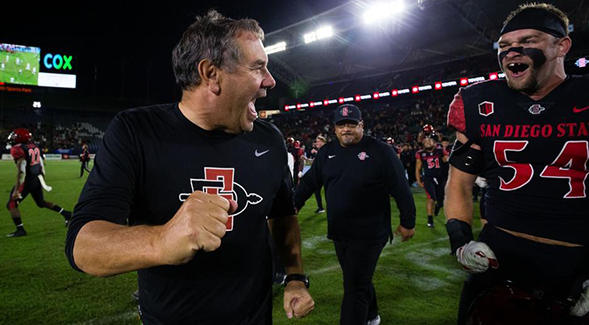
(359, 173)
(186, 176)
(84, 159)
(537, 206)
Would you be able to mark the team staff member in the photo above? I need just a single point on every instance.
(84, 159)
(320, 141)
(536, 202)
(29, 169)
(358, 173)
(186, 178)
(430, 159)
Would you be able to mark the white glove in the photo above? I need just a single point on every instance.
(43, 184)
(481, 182)
(582, 306)
(476, 257)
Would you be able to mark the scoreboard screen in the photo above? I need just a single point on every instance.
(19, 64)
(27, 65)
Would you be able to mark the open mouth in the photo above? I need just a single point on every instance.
(517, 69)
(252, 113)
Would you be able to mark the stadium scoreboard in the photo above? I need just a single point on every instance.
(28, 65)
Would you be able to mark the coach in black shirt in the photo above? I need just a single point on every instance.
(359, 173)
(195, 181)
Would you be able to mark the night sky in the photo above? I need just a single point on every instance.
(123, 49)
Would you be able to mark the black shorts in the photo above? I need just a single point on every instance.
(32, 186)
(434, 188)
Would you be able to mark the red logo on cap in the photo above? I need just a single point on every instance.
(345, 111)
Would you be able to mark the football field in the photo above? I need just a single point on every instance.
(417, 282)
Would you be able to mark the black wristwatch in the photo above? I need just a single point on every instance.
(297, 277)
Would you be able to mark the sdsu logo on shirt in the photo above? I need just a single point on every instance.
(219, 181)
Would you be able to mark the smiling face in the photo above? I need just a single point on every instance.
(529, 59)
(319, 142)
(240, 88)
(429, 144)
(349, 133)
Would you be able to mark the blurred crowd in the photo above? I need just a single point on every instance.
(402, 121)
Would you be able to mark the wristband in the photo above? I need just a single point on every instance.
(460, 233)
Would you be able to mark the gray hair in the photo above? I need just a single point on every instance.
(211, 37)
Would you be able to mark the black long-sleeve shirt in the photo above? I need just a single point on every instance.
(358, 181)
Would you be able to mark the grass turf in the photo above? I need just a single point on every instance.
(417, 282)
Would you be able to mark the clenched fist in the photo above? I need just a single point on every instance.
(199, 224)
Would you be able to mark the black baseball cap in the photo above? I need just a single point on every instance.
(347, 112)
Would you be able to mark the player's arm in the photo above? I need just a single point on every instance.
(21, 174)
(418, 172)
(465, 164)
(42, 167)
(445, 155)
(458, 203)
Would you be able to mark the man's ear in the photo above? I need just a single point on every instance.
(564, 45)
(210, 76)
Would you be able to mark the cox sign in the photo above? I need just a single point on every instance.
(57, 61)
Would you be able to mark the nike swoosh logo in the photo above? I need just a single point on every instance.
(330, 156)
(579, 110)
(259, 154)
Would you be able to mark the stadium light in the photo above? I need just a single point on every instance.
(463, 81)
(438, 85)
(493, 76)
(278, 47)
(36, 104)
(415, 89)
(325, 102)
(321, 33)
(394, 93)
(383, 10)
(375, 95)
(357, 98)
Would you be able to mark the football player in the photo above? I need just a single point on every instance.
(528, 135)
(430, 159)
(30, 172)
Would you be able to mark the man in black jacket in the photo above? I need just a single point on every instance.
(359, 173)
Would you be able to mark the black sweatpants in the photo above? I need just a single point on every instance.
(84, 167)
(358, 263)
(318, 198)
